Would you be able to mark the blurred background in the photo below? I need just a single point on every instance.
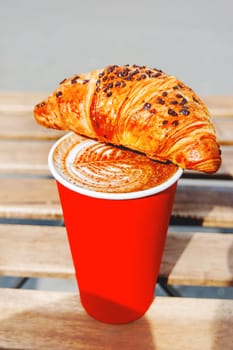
(42, 42)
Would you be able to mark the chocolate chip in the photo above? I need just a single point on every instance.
(183, 102)
(132, 74)
(110, 85)
(149, 72)
(147, 106)
(195, 100)
(156, 75)
(174, 102)
(165, 122)
(97, 82)
(179, 96)
(74, 80)
(172, 112)
(164, 93)
(111, 69)
(118, 83)
(153, 111)
(160, 101)
(62, 81)
(42, 104)
(109, 94)
(125, 72)
(175, 122)
(184, 111)
(85, 81)
(59, 94)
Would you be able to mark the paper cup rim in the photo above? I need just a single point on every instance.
(108, 195)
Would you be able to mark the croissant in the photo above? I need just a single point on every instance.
(137, 107)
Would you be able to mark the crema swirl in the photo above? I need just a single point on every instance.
(105, 168)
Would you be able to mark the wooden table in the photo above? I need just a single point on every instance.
(199, 249)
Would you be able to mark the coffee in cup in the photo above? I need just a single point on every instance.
(117, 206)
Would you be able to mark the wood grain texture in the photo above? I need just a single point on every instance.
(20, 101)
(49, 320)
(37, 198)
(35, 251)
(224, 129)
(206, 205)
(25, 157)
(20, 125)
(29, 198)
(203, 259)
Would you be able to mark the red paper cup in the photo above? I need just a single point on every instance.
(117, 241)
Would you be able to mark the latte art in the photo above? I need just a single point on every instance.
(104, 168)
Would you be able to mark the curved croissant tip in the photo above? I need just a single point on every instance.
(44, 116)
(38, 111)
(204, 156)
(210, 166)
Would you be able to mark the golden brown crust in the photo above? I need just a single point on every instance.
(137, 107)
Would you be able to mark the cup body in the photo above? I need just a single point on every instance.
(117, 243)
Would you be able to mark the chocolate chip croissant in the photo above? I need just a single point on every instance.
(137, 107)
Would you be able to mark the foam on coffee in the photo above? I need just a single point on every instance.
(105, 168)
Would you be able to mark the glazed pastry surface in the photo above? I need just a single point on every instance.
(137, 107)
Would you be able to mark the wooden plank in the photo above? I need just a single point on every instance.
(189, 259)
(29, 198)
(224, 130)
(226, 168)
(20, 101)
(206, 205)
(37, 198)
(204, 259)
(35, 251)
(30, 157)
(16, 117)
(24, 157)
(50, 320)
(21, 125)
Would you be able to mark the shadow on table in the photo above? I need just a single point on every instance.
(63, 324)
(174, 248)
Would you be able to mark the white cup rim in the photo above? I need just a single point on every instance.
(107, 195)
